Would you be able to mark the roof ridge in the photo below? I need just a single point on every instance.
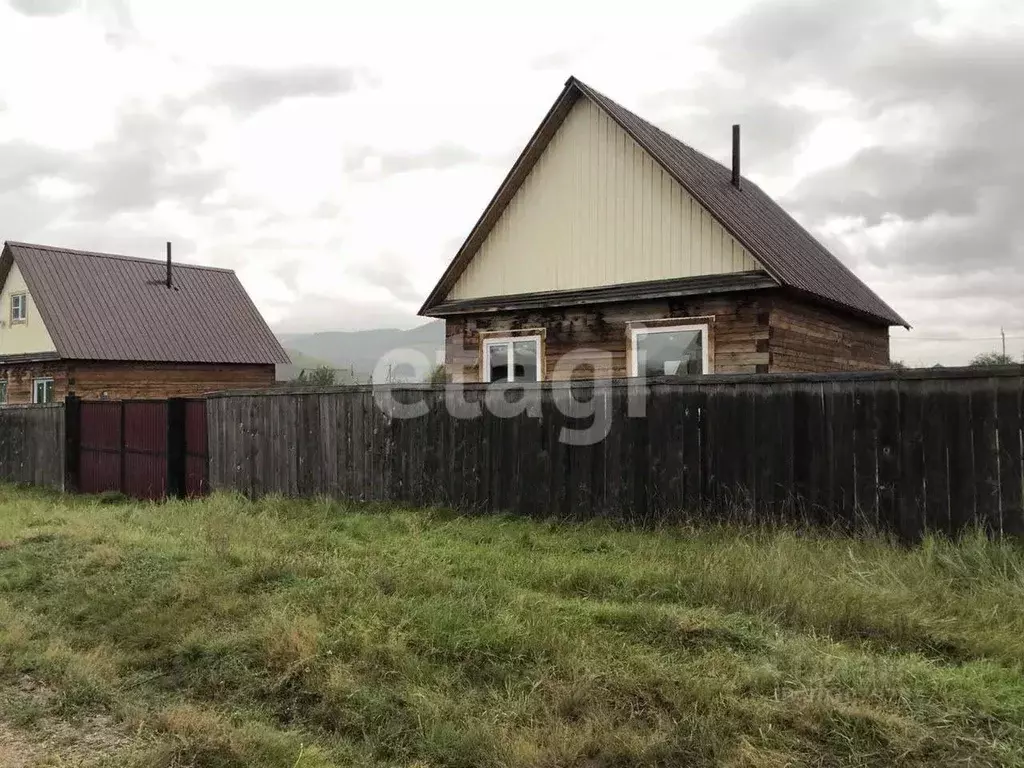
(118, 256)
(584, 87)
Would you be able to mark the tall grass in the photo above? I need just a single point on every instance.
(283, 633)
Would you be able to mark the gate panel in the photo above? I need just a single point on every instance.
(100, 467)
(145, 449)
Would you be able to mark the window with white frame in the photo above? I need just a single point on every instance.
(3, 391)
(42, 390)
(512, 359)
(676, 350)
(19, 307)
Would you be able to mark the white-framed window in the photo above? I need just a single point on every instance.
(42, 390)
(669, 350)
(19, 307)
(512, 359)
(3, 391)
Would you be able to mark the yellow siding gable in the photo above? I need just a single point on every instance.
(597, 210)
(25, 337)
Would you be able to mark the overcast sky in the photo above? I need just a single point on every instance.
(336, 159)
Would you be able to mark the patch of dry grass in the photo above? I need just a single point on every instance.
(308, 634)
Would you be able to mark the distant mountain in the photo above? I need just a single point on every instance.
(365, 351)
(300, 362)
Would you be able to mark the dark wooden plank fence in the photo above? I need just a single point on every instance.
(906, 451)
(32, 445)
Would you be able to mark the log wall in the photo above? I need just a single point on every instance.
(755, 332)
(96, 380)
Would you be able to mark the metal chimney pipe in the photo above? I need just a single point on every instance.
(736, 156)
(168, 264)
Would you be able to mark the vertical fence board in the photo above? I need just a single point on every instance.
(887, 455)
(911, 479)
(1011, 460)
(984, 444)
(865, 456)
(960, 459)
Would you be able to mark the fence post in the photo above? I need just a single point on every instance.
(72, 443)
(176, 448)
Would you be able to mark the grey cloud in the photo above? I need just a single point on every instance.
(115, 15)
(152, 157)
(44, 7)
(118, 20)
(22, 163)
(954, 189)
(26, 214)
(913, 184)
(771, 131)
(441, 157)
(247, 91)
(389, 275)
(814, 40)
(554, 60)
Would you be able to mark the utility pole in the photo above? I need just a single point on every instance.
(1002, 333)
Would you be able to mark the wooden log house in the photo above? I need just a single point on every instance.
(612, 249)
(103, 326)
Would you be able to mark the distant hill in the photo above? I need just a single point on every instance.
(300, 362)
(362, 351)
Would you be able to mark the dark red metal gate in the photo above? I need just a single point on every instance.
(147, 449)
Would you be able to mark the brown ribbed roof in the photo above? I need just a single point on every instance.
(100, 306)
(787, 251)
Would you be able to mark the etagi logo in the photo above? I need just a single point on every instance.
(573, 390)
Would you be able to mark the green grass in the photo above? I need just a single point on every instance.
(302, 635)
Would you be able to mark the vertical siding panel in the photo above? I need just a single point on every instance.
(674, 266)
(667, 263)
(597, 210)
(667, 185)
(591, 252)
(621, 204)
(719, 241)
(604, 257)
(695, 213)
(647, 214)
(599, 202)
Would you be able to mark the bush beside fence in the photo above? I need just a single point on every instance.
(908, 452)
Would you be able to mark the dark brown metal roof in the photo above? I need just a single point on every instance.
(787, 251)
(100, 306)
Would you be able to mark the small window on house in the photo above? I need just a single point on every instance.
(3, 391)
(42, 391)
(512, 359)
(19, 307)
(679, 350)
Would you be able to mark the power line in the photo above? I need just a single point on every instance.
(955, 338)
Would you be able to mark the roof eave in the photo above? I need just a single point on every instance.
(892, 321)
(702, 285)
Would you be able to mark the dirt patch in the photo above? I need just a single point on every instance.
(44, 740)
(16, 751)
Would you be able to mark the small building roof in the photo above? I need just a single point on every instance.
(102, 306)
(787, 251)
